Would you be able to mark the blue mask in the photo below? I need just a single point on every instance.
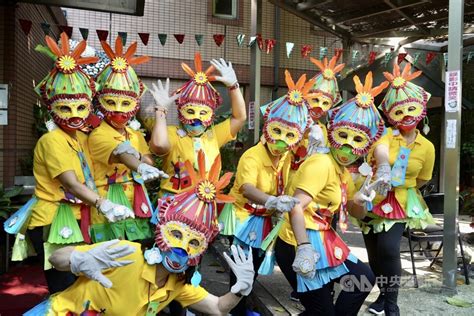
(175, 260)
(194, 129)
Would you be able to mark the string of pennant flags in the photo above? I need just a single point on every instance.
(265, 45)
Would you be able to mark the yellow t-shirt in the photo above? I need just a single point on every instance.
(55, 153)
(255, 167)
(420, 162)
(102, 142)
(320, 176)
(133, 287)
(304, 143)
(185, 148)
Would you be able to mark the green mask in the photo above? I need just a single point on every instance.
(344, 155)
(278, 148)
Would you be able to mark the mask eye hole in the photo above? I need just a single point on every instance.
(411, 108)
(110, 102)
(177, 234)
(190, 111)
(81, 107)
(195, 243)
(316, 100)
(276, 130)
(343, 135)
(398, 112)
(326, 103)
(65, 109)
(125, 103)
(358, 139)
(290, 135)
(203, 112)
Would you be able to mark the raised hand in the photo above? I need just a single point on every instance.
(161, 95)
(242, 266)
(227, 73)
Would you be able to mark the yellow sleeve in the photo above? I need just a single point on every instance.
(247, 171)
(316, 167)
(351, 188)
(190, 295)
(56, 156)
(427, 171)
(101, 145)
(222, 132)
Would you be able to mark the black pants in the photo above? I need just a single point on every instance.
(57, 280)
(240, 309)
(321, 301)
(383, 250)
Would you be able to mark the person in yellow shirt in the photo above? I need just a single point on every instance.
(120, 156)
(65, 188)
(324, 96)
(262, 174)
(309, 252)
(143, 283)
(405, 160)
(197, 101)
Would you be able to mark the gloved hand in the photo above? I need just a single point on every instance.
(126, 148)
(115, 212)
(161, 95)
(228, 76)
(92, 262)
(149, 173)
(316, 139)
(384, 172)
(243, 270)
(367, 191)
(305, 261)
(282, 203)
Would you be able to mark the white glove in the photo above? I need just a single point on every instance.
(149, 173)
(115, 212)
(126, 148)
(228, 76)
(367, 191)
(92, 262)
(316, 139)
(161, 94)
(282, 203)
(243, 270)
(305, 261)
(384, 172)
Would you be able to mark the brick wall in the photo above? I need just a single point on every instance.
(22, 67)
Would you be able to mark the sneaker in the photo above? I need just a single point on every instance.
(377, 307)
(294, 297)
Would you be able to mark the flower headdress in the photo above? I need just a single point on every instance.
(198, 90)
(66, 80)
(359, 114)
(196, 208)
(291, 109)
(402, 91)
(325, 81)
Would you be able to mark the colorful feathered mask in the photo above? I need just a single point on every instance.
(188, 221)
(67, 91)
(356, 124)
(404, 103)
(325, 89)
(119, 88)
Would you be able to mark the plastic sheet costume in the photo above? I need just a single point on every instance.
(118, 99)
(326, 187)
(52, 214)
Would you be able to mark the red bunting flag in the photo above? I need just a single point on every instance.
(66, 29)
(338, 53)
(259, 40)
(372, 56)
(179, 38)
(25, 26)
(102, 35)
(219, 39)
(429, 57)
(306, 50)
(401, 57)
(269, 44)
(144, 37)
